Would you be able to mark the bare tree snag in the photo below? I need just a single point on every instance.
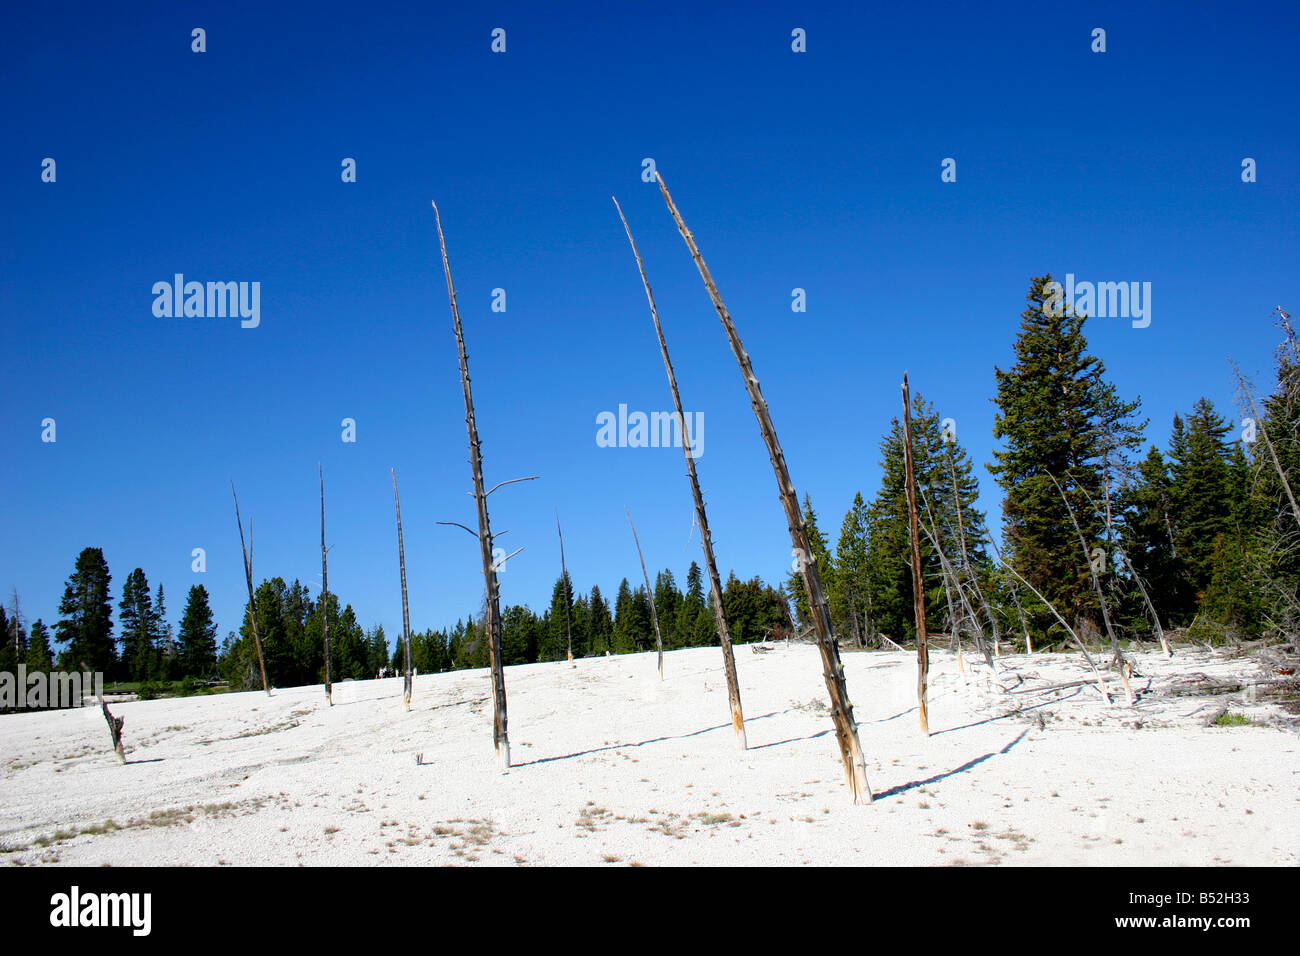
(248, 575)
(701, 518)
(1101, 684)
(1117, 654)
(324, 593)
(564, 582)
(492, 617)
(654, 614)
(114, 728)
(406, 614)
(918, 585)
(846, 728)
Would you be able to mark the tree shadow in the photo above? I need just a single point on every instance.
(643, 743)
(149, 760)
(912, 785)
(792, 740)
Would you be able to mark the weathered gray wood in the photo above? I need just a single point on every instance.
(701, 518)
(406, 614)
(650, 593)
(918, 584)
(492, 615)
(248, 575)
(846, 728)
(324, 593)
(115, 729)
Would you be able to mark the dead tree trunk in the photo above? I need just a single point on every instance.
(965, 558)
(248, 575)
(918, 585)
(492, 622)
(846, 728)
(114, 728)
(564, 582)
(406, 614)
(1117, 654)
(701, 519)
(654, 614)
(324, 593)
(1101, 684)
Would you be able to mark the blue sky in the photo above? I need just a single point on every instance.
(817, 170)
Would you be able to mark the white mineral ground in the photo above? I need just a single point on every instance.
(613, 767)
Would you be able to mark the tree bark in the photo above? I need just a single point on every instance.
(406, 614)
(846, 728)
(492, 615)
(701, 518)
(248, 575)
(654, 614)
(115, 729)
(918, 585)
(324, 593)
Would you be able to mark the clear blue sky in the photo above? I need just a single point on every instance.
(818, 170)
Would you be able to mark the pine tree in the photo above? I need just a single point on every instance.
(555, 645)
(668, 600)
(86, 625)
(197, 640)
(1059, 423)
(624, 629)
(137, 627)
(1201, 507)
(820, 554)
(601, 626)
(1143, 511)
(38, 649)
(850, 593)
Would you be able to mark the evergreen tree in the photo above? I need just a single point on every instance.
(555, 643)
(818, 553)
(1059, 423)
(1143, 511)
(1201, 506)
(38, 649)
(138, 626)
(518, 635)
(86, 625)
(667, 603)
(601, 627)
(850, 594)
(625, 639)
(197, 648)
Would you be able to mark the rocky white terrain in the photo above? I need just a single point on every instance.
(615, 768)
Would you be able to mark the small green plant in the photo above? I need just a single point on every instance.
(1229, 719)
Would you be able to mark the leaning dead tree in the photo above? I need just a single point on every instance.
(492, 614)
(846, 728)
(654, 614)
(701, 519)
(1116, 653)
(115, 729)
(564, 583)
(248, 575)
(406, 615)
(324, 592)
(918, 585)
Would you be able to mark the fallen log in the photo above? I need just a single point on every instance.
(114, 728)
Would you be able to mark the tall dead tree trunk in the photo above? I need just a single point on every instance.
(701, 518)
(846, 728)
(654, 613)
(564, 582)
(918, 585)
(406, 614)
(324, 593)
(248, 575)
(492, 622)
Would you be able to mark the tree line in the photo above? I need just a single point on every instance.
(1203, 534)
